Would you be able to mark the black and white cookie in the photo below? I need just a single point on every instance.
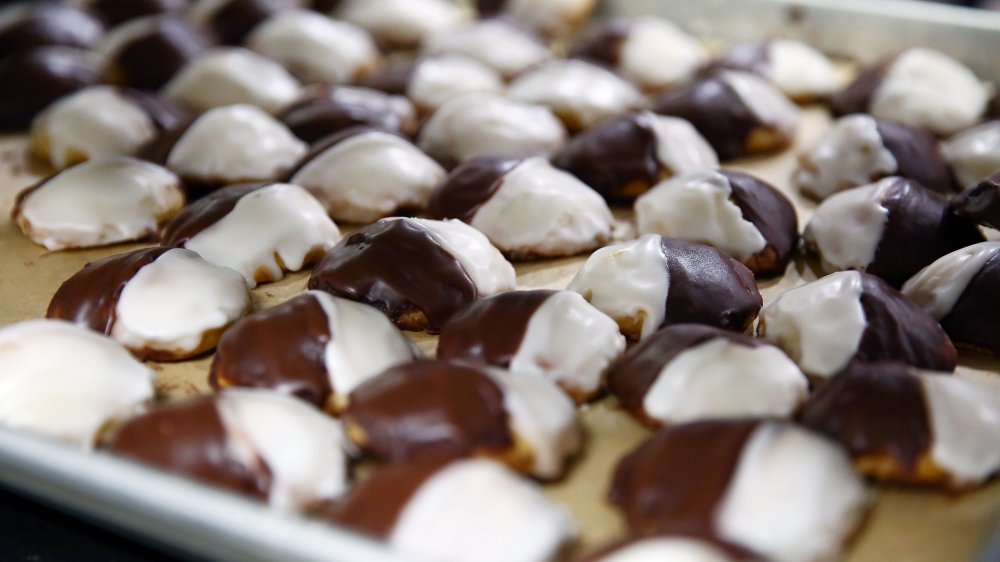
(418, 272)
(119, 12)
(35, 78)
(99, 202)
(737, 213)
(321, 112)
(314, 346)
(146, 53)
(227, 145)
(361, 175)
(860, 149)
(797, 69)
(980, 203)
(477, 125)
(974, 154)
(919, 87)
(654, 281)
(433, 408)
(231, 21)
(527, 208)
(845, 316)
(256, 442)
(773, 488)
(401, 24)
(556, 334)
(891, 229)
(652, 52)
(962, 291)
(28, 25)
(676, 548)
(551, 18)
(100, 121)
(905, 426)
(737, 112)
(315, 48)
(260, 230)
(430, 82)
(67, 382)
(690, 372)
(442, 509)
(232, 75)
(163, 304)
(580, 93)
(497, 43)
(626, 156)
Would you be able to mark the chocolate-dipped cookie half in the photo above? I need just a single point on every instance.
(735, 212)
(980, 203)
(28, 25)
(321, 112)
(845, 316)
(232, 20)
(802, 72)
(35, 78)
(147, 52)
(418, 272)
(891, 229)
(118, 12)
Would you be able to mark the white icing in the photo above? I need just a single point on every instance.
(363, 344)
(170, 304)
(401, 22)
(232, 75)
(542, 416)
(928, 89)
(369, 176)
(280, 221)
(478, 510)
(801, 71)
(793, 498)
(551, 17)
(680, 148)
(477, 125)
(820, 324)
(479, 40)
(770, 106)
(302, 448)
(722, 379)
(570, 342)
(697, 207)
(847, 227)
(579, 92)
(657, 54)
(66, 382)
(483, 263)
(937, 287)
(234, 144)
(439, 79)
(91, 123)
(628, 282)
(851, 153)
(974, 154)
(100, 202)
(314, 47)
(201, 12)
(964, 417)
(540, 210)
(667, 549)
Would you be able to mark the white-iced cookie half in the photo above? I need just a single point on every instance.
(232, 75)
(401, 23)
(974, 154)
(480, 39)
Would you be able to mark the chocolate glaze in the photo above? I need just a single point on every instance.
(34, 79)
(50, 24)
(639, 368)
(318, 115)
(614, 157)
(114, 12)
(919, 229)
(602, 43)
(752, 57)
(397, 267)
(974, 321)
(708, 287)
(856, 97)
(674, 481)
(204, 213)
(873, 409)
(917, 155)
(235, 19)
(393, 79)
(373, 505)
(772, 214)
(151, 60)
(429, 407)
(189, 438)
(164, 113)
(716, 110)
(980, 203)
(469, 186)
(281, 348)
(490, 330)
(91, 295)
(899, 330)
(490, 7)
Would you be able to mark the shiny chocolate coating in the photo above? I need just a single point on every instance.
(917, 155)
(856, 97)
(152, 59)
(980, 203)
(203, 213)
(165, 114)
(974, 321)
(50, 24)
(490, 331)
(752, 57)
(319, 114)
(602, 43)
(34, 79)
(469, 186)
(114, 12)
(235, 19)
(772, 214)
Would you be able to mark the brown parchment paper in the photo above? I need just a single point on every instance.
(905, 524)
